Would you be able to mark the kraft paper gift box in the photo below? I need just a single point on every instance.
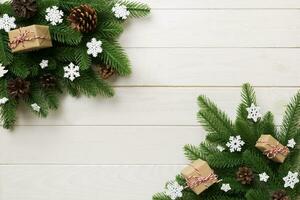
(29, 38)
(272, 148)
(199, 176)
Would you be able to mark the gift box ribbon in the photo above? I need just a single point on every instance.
(195, 181)
(24, 37)
(275, 150)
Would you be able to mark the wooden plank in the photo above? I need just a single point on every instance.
(215, 28)
(154, 106)
(202, 4)
(83, 182)
(197, 66)
(98, 145)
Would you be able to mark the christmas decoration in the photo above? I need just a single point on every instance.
(7, 23)
(83, 18)
(120, 11)
(54, 15)
(245, 173)
(24, 8)
(291, 143)
(174, 190)
(3, 101)
(3, 71)
(280, 195)
(94, 47)
(235, 143)
(272, 148)
(48, 81)
(106, 72)
(291, 179)
(18, 88)
(36, 107)
(44, 64)
(254, 112)
(225, 187)
(220, 148)
(263, 177)
(71, 72)
(199, 176)
(30, 38)
(50, 47)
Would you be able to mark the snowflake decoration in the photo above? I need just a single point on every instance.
(220, 148)
(291, 179)
(120, 11)
(3, 101)
(291, 143)
(235, 143)
(263, 177)
(71, 71)
(54, 15)
(94, 47)
(36, 107)
(3, 71)
(7, 23)
(174, 190)
(254, 112)
(225, 187)
(44, 64)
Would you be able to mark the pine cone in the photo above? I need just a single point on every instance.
(245, 175)
(83, 18)
(24, 8)
(18, 88)
(280, 195)
(106, 72)
(48, 81)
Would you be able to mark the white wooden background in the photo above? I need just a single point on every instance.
(127, 147)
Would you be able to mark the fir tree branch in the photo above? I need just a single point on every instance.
(109, 30)
(257, 194)
(137, 9)
(64, 34)
(6, 56)
(228, 160)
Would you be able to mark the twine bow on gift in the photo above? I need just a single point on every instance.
(275, 150)
(195, 181)
(24, 37)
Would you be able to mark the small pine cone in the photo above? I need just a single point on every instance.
(280, 195)
(106, 72)
(24, 8)
(245, 175)
(83, 18)
(18, 88)
(48, 81)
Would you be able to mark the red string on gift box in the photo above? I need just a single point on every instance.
(22, 38)
(275, 150)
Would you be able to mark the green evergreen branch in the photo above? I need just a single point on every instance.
(77, 55)
(109, 30)
(6, 56)
(228, 160)
(64, 34)
(137, 9)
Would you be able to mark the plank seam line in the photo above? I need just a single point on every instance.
(253, 8)
(91, 165)
(198, 86)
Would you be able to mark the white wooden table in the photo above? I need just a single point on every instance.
(127, 147)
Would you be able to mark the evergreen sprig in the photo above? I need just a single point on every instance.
(226, 163)
(69, 45)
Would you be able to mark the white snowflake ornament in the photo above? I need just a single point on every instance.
(291, 143)
(174, 190)
(263, 177)
(225, 187)
(3, 101)
(94, 47)
(235, 143)
(71, 71)
(291, 179)
(120, 11)
(44, 64)
(254, 112)
(36, 107)
(7, 23)
(3, 71)
(54, 15)
(220, 148)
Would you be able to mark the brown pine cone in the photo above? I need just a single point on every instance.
(245, 175)
(106, 72)
(24, 8)
(18, 88)
(280, 195)
(83, 18)
(48, 81)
